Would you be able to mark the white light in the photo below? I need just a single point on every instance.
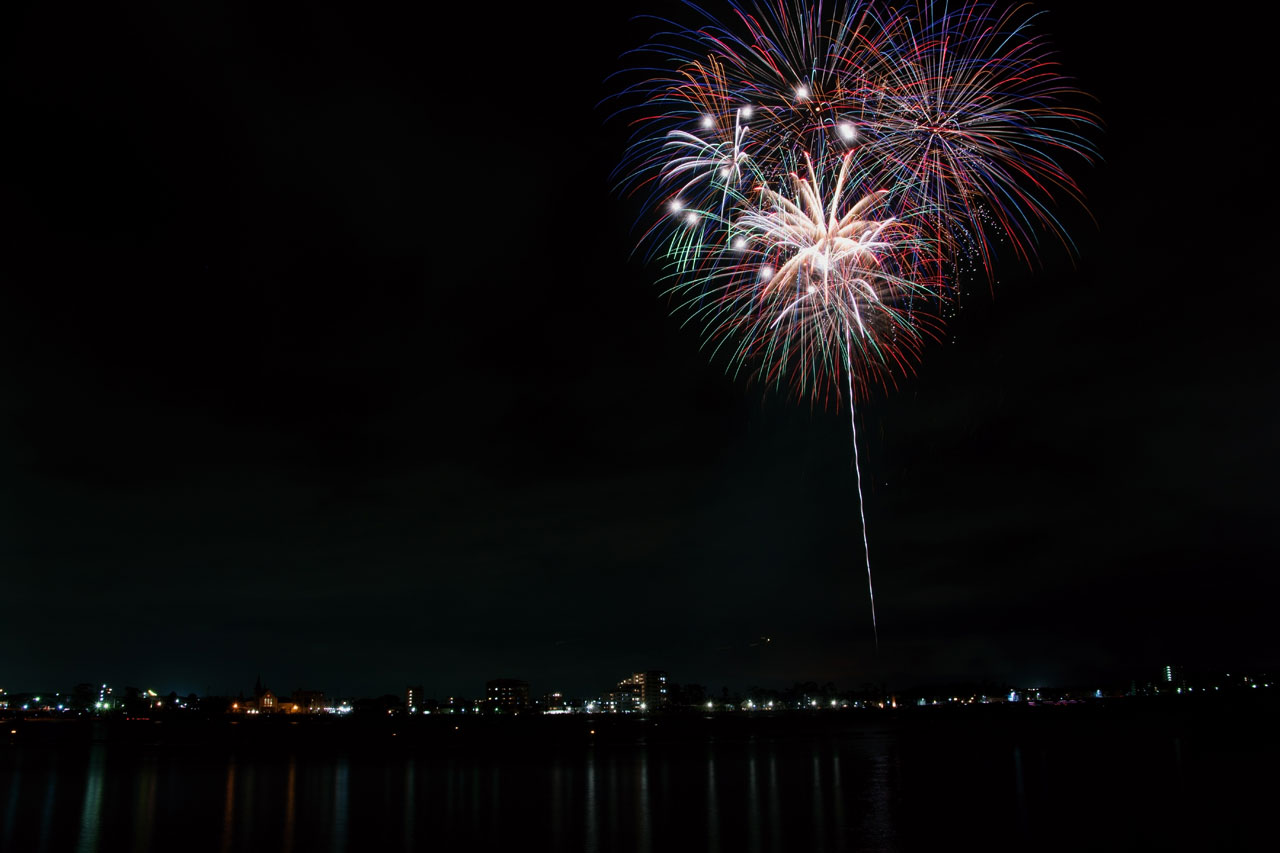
(676, 205)
(766, 273)
(745, 112)
(813, 288)
(708, 121)
(739, 243)
(724, 171)
(802, 92)
(691, 218)
(846, 131)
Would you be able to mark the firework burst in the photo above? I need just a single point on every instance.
(816, 176)
(815, 281)
(957, 120)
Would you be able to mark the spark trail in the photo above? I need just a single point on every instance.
(862, 514)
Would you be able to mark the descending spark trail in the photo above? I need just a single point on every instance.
(821, 177)
(862, 513)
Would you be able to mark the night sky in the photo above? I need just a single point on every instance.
(324, 357)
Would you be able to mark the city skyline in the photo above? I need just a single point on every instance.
(628, 695)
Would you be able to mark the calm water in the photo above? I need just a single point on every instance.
(868, 788)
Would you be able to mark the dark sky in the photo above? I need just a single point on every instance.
(323, 358)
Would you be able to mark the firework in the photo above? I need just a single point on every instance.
(813, 280)
(958, 120)
(967, 111)
(817, 177)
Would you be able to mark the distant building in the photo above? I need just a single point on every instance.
(507, 694)
(308, 701)
(100, 698)
(642, 691)
(414, 699)
(291, 705)
(82, 696)
(555, 703)
(264, 701)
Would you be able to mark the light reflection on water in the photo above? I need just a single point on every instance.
(11, 805)
(713, 805)
(410, 771)
(229, 808)
(290, 805)
(341, 804)
(46, 811)
(643, 816)
(856, 792)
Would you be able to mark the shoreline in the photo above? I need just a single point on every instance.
(1244, 715)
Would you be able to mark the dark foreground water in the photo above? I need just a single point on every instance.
(1084, 780)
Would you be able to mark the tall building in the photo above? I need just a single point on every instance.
(642, 691)
(507, 694)
(413, 699)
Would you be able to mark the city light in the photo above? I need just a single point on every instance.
(648, 693)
